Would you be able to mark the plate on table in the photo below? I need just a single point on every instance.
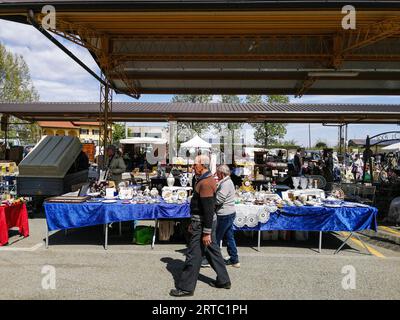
(350, 205)
(109, 201)
(93, 200)
(332, 205)
(93, 194)
(362, 205)
(111, 198)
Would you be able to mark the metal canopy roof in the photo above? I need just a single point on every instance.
(233, 47)
(213, 112)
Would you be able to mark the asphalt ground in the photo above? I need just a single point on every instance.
(281, 270)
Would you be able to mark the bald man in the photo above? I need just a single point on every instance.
(203, 240)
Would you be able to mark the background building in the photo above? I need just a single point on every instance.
(87, 132)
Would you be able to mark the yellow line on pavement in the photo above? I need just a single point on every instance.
(375, 252)
(389, 230)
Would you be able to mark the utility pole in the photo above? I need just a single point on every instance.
(309, 136)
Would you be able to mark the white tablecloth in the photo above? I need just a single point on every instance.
(251, 215)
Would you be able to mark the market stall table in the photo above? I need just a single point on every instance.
(305, 218)
(14, 215)
(314, 218)
(62, 216)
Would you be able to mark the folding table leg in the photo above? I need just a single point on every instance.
(106, 237)
(363, 243)
(320, 242)
(120, 228)
(154, 234)
(344, 242)
(47, 236)
(259, 240)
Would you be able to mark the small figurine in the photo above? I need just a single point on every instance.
(246, 185)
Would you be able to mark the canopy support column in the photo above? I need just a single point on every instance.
(173, 138)
(105, 123)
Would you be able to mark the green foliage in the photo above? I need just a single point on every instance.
(254, 99)
(267, 134)
(321, 145)
(118, 132)
(277, 99)
(16, 86)
(225, 98)
(232, 125)
(289, 144)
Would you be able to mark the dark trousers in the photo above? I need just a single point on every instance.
(196, 250)
(225, 229)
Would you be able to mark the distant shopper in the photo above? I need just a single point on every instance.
(357, 168)
(115, 164)
(297, 162)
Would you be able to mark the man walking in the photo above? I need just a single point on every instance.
(203, 239)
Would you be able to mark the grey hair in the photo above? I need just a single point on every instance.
(224, 169)
(203, 160)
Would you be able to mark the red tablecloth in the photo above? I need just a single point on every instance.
(15, 215)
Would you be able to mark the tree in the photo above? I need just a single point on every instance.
(16, 86)
(232, 99)
(289, 144)
(232, 127)
(321, 144)
(254, 99)
(197, 127)
(268, 133)
(118, 132)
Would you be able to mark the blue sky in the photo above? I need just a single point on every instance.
(58, 78)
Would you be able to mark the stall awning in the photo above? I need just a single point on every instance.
(215, 112)
(392, 147)
(143, 140)
(196, 142)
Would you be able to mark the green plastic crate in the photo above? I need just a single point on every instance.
(143, 234)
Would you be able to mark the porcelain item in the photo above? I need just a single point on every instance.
(170, 180)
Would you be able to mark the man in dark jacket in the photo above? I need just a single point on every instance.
(202, 228)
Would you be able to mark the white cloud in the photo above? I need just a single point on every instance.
(55, 75)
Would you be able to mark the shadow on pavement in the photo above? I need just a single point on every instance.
(175, 267)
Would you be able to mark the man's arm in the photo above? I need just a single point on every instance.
(222, 194)
(207, 199)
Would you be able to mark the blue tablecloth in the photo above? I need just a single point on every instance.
(309, 218)
(67, 215)
(74, 215)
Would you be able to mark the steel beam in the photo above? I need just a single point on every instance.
(105, 122)
(348, 42)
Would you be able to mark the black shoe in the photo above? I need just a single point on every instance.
(180, 293)
(205, 264)
(215, 284)
(230, 263)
